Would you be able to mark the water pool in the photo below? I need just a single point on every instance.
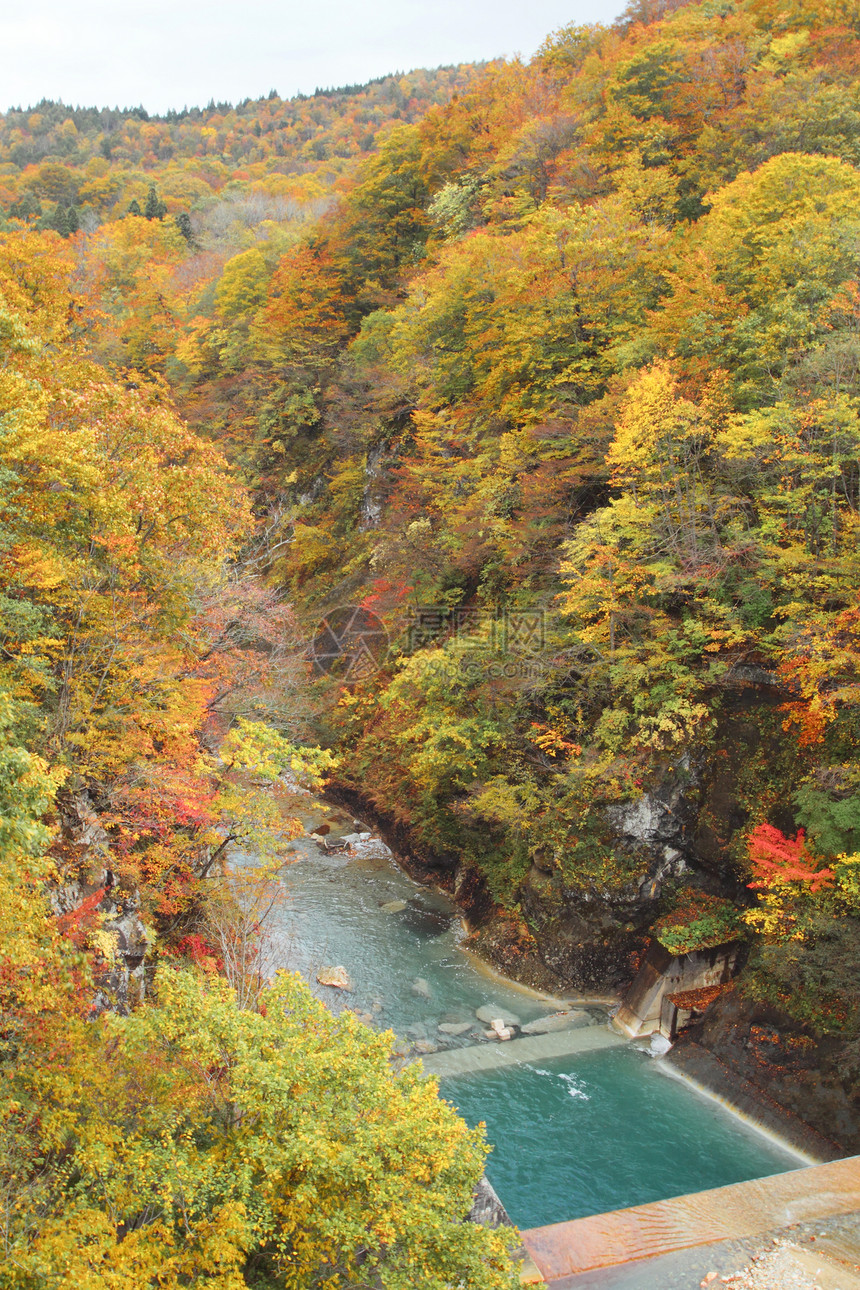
(601, 1131)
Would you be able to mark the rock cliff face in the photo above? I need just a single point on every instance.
(588, 937)
(655, 827)
(88, 882)
(818, 1080)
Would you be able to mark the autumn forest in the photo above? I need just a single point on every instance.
(552, 370)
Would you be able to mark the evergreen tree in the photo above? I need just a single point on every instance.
(183, 223)
(25, 207)
(59, 220)
(155, 208)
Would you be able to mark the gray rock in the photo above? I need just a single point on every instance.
(558, 1021)
(646, 820)
(673, 865)
(425, 1046)
(372, 849)
(393, 906)
(487, 1208)
(422, 988)
(491, 1012)
(454, 1027)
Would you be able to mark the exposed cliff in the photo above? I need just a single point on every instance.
(98, 907)
(815, 1078)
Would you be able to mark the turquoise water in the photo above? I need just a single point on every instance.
(571, 1136)
(406, 967)
(601, 1131)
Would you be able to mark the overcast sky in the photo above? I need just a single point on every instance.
(173, 53)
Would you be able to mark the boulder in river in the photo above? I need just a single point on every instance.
(393, 906)
(490, 1012)
(421, 988)
(337, 977)
(424, 1046)
(487, 1208)
(558, 1021)
(454, 1027)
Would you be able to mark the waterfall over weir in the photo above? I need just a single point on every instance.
(646, 1237)
(489, 1057)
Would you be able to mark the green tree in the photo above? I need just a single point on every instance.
(183, 223)
(155, 208)
(194, 1143)
(384, 224)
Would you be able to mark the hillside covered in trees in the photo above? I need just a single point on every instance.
(552, 368)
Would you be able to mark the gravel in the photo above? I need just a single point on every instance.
(786, 1266)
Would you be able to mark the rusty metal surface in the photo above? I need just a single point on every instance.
(725, 1213)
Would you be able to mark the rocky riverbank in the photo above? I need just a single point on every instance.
(757, 1057)
(565, 959)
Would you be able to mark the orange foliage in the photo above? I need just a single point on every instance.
(305, 309)
(777, 859)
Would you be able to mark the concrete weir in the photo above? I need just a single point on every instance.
(647, 1005)
(488, 1057)
(565, 1251)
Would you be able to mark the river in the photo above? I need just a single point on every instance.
(573, 1135)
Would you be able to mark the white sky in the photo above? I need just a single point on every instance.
(173, 53)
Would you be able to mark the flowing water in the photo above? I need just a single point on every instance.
(571, 1136)
(405, 963)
